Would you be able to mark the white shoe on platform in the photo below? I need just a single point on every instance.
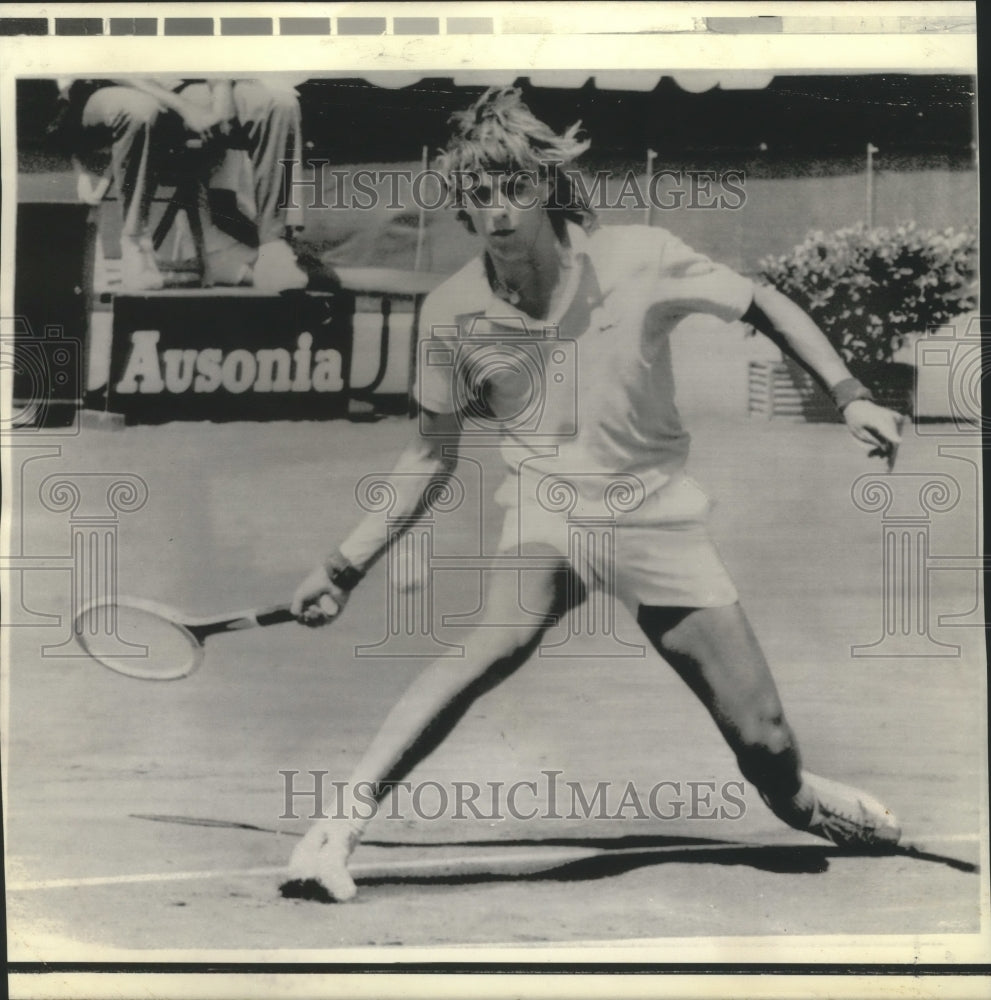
(138, 268)
(91, 188)
(228, 265)
(276, 269)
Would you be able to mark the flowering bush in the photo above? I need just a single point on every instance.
(868, 289)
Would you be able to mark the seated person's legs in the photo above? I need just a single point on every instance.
(127, 122)
(245, 238)
(270, 122)
(228, 260)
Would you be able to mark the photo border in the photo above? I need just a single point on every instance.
(81, 971)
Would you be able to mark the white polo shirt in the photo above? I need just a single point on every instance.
(590, 389)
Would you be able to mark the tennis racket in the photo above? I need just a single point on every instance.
(154, 642)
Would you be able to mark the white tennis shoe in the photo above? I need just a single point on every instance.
(276, 269)
(138, 267)
(321, 857)
(91, 187)
(846, 816)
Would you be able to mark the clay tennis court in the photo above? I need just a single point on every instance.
(236, 513)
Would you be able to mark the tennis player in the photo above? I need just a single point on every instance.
(617, 292)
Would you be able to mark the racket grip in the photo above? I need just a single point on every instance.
(275, 616)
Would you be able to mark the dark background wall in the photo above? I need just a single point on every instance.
(800, 141)
(798, 117)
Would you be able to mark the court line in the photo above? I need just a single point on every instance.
(457, 866)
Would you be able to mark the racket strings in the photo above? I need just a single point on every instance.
(137, 641)
(96, 621)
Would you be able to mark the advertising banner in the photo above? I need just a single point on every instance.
(216, 355)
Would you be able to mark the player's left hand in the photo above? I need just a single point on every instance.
(877, 427)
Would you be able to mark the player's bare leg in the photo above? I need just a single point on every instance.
(717, 654)
(427, 712)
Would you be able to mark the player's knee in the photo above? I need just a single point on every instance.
(491, 655)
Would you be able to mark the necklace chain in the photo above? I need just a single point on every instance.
(513, 293)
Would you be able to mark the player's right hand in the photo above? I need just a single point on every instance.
(317, 601)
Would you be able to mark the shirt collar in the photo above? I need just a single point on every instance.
(497, 307)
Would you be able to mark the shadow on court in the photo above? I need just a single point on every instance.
(722, 849)
(606, 857)
(811, 860)
(633, 854)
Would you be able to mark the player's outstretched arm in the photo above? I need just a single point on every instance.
(429, 459)
(797, 334)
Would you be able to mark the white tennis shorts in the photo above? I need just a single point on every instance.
(659, 554)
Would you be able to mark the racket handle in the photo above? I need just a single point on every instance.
(275, 616)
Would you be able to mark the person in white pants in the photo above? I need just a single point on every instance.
(139, 121)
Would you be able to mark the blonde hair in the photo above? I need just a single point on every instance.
(500, 133)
